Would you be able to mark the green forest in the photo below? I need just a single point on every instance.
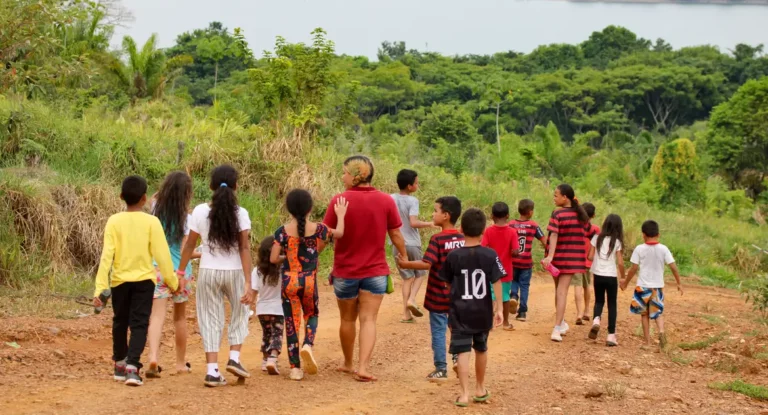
(636, 126)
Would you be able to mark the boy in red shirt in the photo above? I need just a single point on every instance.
(527, 230)
(503, 239)
(582, 283)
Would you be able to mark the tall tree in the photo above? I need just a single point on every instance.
(610, 43)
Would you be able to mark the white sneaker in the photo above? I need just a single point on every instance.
(556, 337)
(564, 327)
(611, 341)
(308, 359)
(297, 374)
(596, 321)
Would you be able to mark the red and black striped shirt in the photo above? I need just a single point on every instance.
(527, 230)
(438, 297)
(592, 231)
(571, 250)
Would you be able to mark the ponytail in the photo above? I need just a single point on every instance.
(224, 232)
(567, 191)
(299, 204)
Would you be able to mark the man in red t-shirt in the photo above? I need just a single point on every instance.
(503, 239)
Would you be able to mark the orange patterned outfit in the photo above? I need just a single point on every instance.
(299, 275)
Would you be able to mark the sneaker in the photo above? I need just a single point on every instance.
(596, 321)
(662, 341)
(520, 316)
(264, 365)
(237, 369)
(120, 371)
(564, 327)
(214, 381)
(513, 303)
(297, 374)
(132, 378)
(611, 340)
(438, 375)
(271, 367)
(594, 331)
(556, 335)
(455, 359)
(308, 360)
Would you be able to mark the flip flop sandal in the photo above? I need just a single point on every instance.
(460, 404)
(509, 328)
(409, 321)
(579, 322)
(154, 371)
(594, 331)
(416, 311)
(483, 398)
(188, 368)
(365, 379)
(585, 318)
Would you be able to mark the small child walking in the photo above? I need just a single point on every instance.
(522, 263)
(265, 281)
(503, 240)
(470, 273)
(131, 239)
(582, 283)
(648, 298)
(607, 268)
(301, 240)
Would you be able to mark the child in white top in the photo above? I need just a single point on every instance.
(607, 265)
(648, 299)
(269, 306)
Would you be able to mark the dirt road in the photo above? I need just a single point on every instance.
(63, 367)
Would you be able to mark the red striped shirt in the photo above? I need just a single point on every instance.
(438, 297)
(571, 250)
(593, 230)
(527, 230)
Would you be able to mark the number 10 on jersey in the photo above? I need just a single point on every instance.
(477, 285)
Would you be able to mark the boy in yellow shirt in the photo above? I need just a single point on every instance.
(131, 239)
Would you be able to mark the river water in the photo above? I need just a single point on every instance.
(449, 26)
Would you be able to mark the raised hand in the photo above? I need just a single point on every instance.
(341, 206)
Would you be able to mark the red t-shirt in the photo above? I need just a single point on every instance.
(503, 240)
(570, 253)
(593, 230)
(527, 231)
(371, 214)
(438, 297)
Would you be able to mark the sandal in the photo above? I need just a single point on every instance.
(365, 379)
(483, 398)
(154, 371)
(460, 404)
(409, 321)
(509, 328)
(415, 310)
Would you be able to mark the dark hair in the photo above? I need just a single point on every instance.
(650, 229)
(589, 209)
(299, 204)
(567, 191)
(172, 205)
(368, 178)
(270, 272)
(473, 222)
(500, 210)
(612, 228)
(224, 227)
(134, 188)
(406, 178)
(450, 205)
(525, 207)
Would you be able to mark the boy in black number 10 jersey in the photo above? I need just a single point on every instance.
(470, 272)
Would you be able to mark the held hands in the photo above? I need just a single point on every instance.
(623, 285)
(341, 207)
(181, 287)
(399, 260)
(247, 298)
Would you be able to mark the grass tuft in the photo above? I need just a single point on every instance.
(744, 388)
(703, 344)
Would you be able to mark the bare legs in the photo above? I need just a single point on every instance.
(366, 309)
(561, 296)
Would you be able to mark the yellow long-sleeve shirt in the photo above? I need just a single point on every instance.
(131, 240)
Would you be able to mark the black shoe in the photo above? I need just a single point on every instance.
(520, 316)
(513, 303)
(214, 381)
(132, 378)
(438, 375)
(120, 371)
(237, 369)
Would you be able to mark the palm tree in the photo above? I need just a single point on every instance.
(146, 72)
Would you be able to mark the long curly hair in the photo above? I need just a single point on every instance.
(224, 230)
(299, 204)
(172, 205)
(269, 272)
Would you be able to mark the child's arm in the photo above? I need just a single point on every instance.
(591, 255)
(245, 258)
(676, 273)
(552, 245)
(105, 264)
(188, 250)
(341, 211)
(497, 305)
(195, 254)
(632, 272)
(419, 224)
(399, 242)
(619, 264)
(274, 255)
(404, 264)
(158, 247)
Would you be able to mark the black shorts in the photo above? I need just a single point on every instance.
(465, 342)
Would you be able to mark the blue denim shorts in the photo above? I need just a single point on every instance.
(348, 289)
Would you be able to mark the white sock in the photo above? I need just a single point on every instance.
(131, 368)
(234, 355)
(213, 369)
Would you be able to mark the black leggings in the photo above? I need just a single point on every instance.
(608, 285)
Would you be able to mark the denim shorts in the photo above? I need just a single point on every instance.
(348, 289)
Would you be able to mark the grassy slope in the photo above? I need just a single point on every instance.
(87, 157)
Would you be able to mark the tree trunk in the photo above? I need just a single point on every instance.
(498, 142)
(215, 80)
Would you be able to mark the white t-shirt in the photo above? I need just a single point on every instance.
(651, 259)
(270, 300)
(213, 258)
(604, 264)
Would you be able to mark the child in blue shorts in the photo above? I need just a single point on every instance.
(648, 298)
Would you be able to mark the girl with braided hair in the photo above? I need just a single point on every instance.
(297, 247)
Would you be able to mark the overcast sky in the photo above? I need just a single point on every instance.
(448, 26)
